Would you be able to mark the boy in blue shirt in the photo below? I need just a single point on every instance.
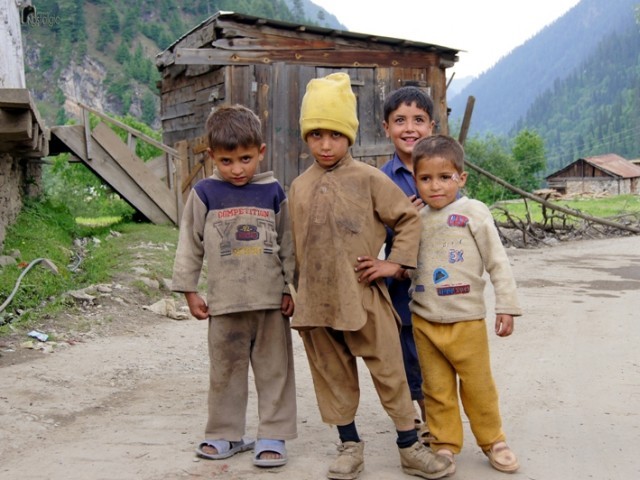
(408, 116)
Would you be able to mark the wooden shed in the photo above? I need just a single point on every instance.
(266, 64)
(608, 173)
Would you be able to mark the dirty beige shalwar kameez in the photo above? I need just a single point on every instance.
(338, 215)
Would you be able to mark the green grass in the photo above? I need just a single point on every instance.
(98, 222)
(43, 230)
(611, 208)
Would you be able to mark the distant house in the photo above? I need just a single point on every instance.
(608, 173)
(266, 64)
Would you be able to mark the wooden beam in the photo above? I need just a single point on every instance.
(268, 45)
(178, 163)
(345, 58)
(372, 150)
(186, 183)
(130, 130)
(16, 125)
(15, 98)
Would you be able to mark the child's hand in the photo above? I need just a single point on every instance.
(374, 268)
(417, 202)
(504, 324)
(197, 305)
(287, 306)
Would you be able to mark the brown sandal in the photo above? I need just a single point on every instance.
(502, 458)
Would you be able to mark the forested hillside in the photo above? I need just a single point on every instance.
(575, 83)
(596, 109)
(505, 92)
(102, 52)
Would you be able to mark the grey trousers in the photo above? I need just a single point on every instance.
(261, 339)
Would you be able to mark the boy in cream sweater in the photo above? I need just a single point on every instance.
(459, 243)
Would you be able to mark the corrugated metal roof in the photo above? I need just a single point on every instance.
(250, 19)
(615, 165)
(611, 163)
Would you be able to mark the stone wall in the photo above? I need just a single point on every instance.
(19, 179)
(598, 185)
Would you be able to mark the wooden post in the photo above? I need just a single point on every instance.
(466, 120)
(87, 132)
(179, 160)
(169, 169)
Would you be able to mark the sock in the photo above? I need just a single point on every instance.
(407, 438)
(348, 433)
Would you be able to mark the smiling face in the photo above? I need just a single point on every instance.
(405, 126)
(238, 166)
(438, 181)
(327, 146)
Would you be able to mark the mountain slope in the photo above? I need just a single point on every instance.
(102, 52)
(596, 109)
(505, 92)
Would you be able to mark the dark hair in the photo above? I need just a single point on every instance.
(232, 126)
(438, 146)
(408, 95)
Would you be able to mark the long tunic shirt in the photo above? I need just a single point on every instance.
(338, 215)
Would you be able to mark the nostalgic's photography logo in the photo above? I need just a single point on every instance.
(34, 19)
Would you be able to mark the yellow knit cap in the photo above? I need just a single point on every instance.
(329, 103)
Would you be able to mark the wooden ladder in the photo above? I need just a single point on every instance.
(153, 188)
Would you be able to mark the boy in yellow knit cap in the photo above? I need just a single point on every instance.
(339, 208)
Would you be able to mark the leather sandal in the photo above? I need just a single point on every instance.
(502, 458)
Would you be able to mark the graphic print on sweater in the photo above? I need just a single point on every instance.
(243, 234)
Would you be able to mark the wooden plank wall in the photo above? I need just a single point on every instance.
(187, 100)
(274, 91)
(580, 169)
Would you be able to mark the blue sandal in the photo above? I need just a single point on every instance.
(268, 445)
(225, 448)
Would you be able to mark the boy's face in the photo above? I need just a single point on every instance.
(438, 181)
(238, 166)
(405, 126)
(327, 147)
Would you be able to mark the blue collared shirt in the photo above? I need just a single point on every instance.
(400, 175)
(399, 289)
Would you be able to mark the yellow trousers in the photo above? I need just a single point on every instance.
(455, 356)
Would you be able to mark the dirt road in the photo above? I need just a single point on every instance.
(132, 405)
